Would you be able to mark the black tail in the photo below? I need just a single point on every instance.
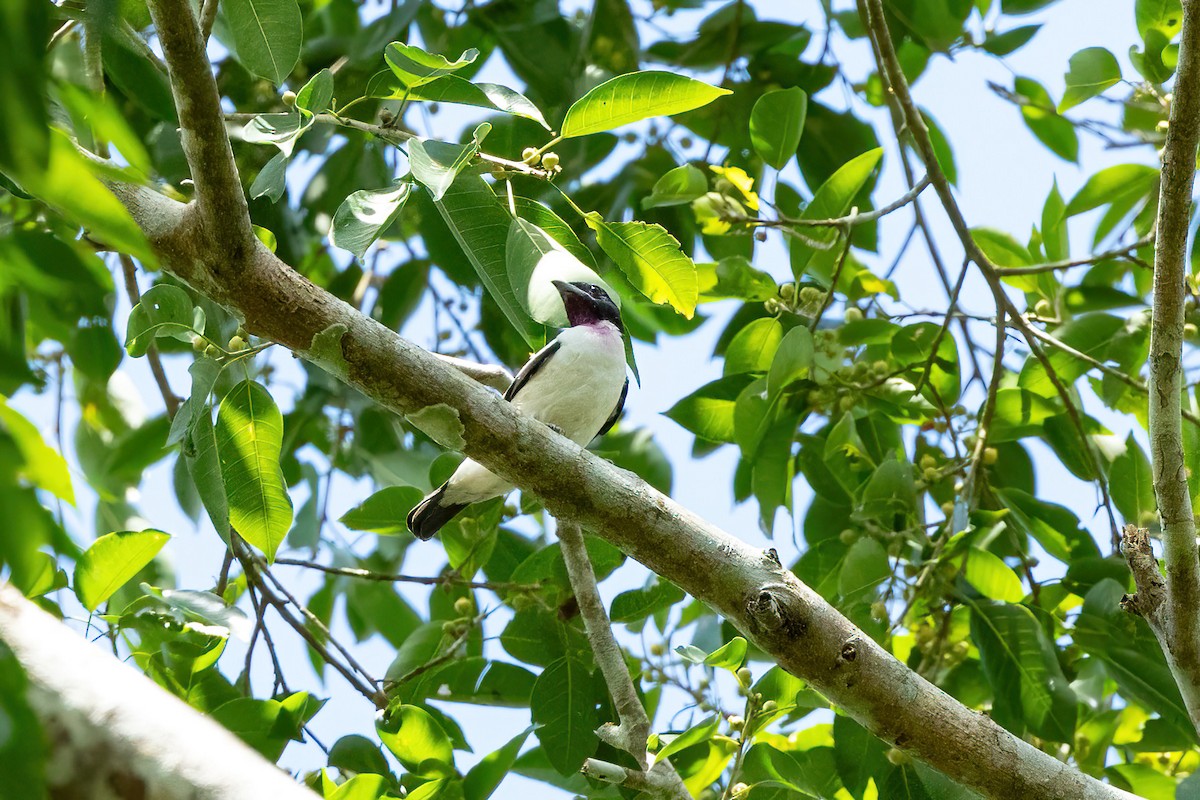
(429, 515)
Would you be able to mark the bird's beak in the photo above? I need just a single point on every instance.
(565, 289)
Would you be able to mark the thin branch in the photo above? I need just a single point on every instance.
(170, 399)
(254, 577)
(1125, 251)
(634, 727)
(1177, 624)
(851, 220)
(208, 17)
(384, 577)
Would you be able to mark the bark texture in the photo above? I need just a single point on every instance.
(114, 733)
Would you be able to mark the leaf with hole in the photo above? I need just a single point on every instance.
(365, 215)
(415, 67)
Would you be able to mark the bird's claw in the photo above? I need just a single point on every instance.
(556, 429)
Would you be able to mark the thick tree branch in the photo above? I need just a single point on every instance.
(114, 733)
(220, 201)
(1177, 624)
(806, 635)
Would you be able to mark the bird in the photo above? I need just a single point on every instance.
(576, 385)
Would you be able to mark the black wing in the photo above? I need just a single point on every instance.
(532, 366)
(612, 418)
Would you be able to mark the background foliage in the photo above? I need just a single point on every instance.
(436, 166)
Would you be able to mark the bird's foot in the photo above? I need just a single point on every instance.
(556, 429)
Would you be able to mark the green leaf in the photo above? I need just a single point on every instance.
(164, 310)
(363, 787)
(271, 179)
(1040, 117)
(483, 779)
(480, 226)
(436, 164)
(415, 67)
(563, 705)
(776, 123)
(700, 732)
(1093, 70)
(204, 465)
(365, 215)
(729, 656)
(416, 740)
(105, 122)
(384, 512)
(708, 412)
(993, 578)
(792, 360)
(266, 35)
(636, 96)
(678, 186)
(754, 347)
(541, 215)
(112, 561)
(316, 96)
(1131, 483)
(40, 464)
(534, 261)
(453, 89)
(1002, 44)
(24, 139)
(651, 259)
(1020, 663)
(1091, 335)
(865, 567)
(249, 439)
(280, 130)
(833, 200)
(1111, 185)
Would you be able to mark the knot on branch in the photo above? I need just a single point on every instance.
(1151, 587)
(773, 609)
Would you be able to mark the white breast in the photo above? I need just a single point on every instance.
(576, 390)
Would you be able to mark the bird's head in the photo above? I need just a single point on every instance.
(587, 304)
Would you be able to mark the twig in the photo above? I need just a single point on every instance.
(170, 400)
(254, 577)
(1053, 266)
(208, 17)
(853, 219)
(440, 580)
(833, 282)
(633, 728)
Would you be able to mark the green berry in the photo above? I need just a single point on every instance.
(854, 314)
(550, 160)
(289, 98)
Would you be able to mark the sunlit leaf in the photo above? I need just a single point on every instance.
(249, 439)
(111, 561)
(636, 96)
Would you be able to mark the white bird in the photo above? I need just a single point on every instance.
(576, 384)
